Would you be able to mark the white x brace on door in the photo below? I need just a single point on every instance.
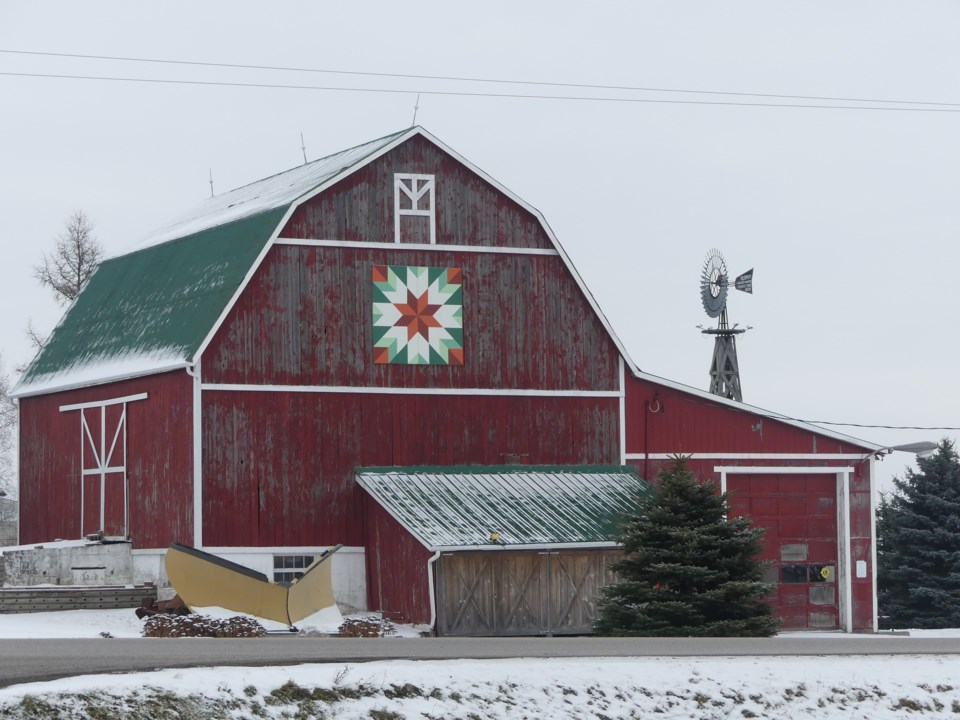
(103, 466)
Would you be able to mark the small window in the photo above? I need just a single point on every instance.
(823, 595)
(823, 620)
(795, 552)
(822, 573)
(287, 568)
(793, 574)
(414, 199)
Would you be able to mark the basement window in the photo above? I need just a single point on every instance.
(287, 568)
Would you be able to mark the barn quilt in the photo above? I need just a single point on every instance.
(417, 315)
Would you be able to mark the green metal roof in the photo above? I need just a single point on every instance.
(150, 309)
(459, 507)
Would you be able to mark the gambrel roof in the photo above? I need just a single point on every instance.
(156, 308)
(277, 191)
(459, 507)
(151, 310)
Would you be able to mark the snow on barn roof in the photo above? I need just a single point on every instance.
(153, 309)
(276, 191)
(459, 507)
(150, 310)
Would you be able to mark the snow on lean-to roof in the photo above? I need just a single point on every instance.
(459, 507)
(272, 192)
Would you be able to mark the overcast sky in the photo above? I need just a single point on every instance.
(850, 217)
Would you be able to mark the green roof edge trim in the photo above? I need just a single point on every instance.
(497, 469)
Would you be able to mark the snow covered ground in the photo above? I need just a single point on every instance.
(770, 687)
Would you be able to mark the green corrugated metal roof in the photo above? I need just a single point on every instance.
(151, 307)
(527, 505)
(150, 310)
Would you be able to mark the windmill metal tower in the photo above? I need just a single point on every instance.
(714, 282)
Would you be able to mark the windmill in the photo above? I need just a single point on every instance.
(714, 283)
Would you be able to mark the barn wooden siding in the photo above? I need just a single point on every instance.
(516, 592)
(469, 210)
(483, 592)
(159, 461)
(397, 578)
(279, 466)
(662, 420)
(306, 319)
(306, 316)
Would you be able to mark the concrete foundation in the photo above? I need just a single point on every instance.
(66, 563)
(79, 562)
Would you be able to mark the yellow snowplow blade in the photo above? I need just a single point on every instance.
(205, 580)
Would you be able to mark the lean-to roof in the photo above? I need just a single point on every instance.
(459, 507)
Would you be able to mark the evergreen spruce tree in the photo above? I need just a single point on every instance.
(687, 570)
(918, 545)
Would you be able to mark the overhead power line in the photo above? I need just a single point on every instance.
(789, 418)
(909, 104)
(862, 425)
(454, 93)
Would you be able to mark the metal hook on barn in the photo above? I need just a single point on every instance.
(654, 406)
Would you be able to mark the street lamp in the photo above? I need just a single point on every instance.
(923, 449)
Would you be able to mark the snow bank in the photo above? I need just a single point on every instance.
(833, 687)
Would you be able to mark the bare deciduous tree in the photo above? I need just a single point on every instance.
(8, 435)
(36, 339)
(78, 252)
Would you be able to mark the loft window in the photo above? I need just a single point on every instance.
(414, 208)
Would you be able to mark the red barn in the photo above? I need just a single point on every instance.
(392, 306)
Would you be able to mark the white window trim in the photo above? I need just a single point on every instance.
(382, 246)
(420, 186)
(376, 390)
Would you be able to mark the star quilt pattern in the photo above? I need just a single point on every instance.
(417, 315)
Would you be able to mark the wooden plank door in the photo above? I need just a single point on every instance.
(520, 592)
(520, 582)
(576, 579)
(465, 598)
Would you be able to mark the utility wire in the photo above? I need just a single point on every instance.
(523, 96)
(861, 425)
(454, 78)
(748, 410)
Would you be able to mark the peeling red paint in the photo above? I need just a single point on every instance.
(159, 464)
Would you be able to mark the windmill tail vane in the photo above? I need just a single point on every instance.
(744, 282)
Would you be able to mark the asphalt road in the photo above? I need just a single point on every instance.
(37, 660)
